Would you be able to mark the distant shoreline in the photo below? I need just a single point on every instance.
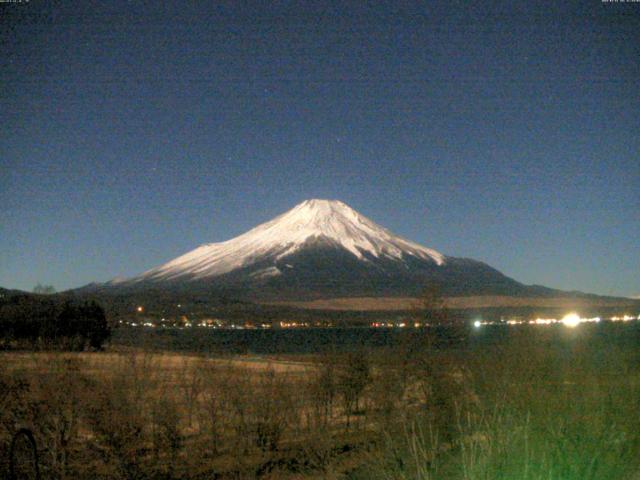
(480, 301)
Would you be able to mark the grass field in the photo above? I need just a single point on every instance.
(540, 404)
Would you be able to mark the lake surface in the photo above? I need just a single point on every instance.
(316, 340)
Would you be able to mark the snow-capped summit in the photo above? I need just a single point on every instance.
(330, 222)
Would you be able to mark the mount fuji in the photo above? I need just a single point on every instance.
(320, 249)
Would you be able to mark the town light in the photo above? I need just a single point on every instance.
(571, 320)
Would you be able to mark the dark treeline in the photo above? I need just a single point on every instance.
(35, 321)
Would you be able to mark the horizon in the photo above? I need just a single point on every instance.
(507, 134)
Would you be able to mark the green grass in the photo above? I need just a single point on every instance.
(531, 410)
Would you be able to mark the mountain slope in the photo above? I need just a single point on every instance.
(320, 249)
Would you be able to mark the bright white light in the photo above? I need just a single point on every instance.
(477, 324)
(571, 320)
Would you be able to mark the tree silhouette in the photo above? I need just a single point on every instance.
(32, 319)
(44, 289)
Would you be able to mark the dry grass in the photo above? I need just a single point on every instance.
(166, 361)
(409, 303)
(150, 415)
(529, 408)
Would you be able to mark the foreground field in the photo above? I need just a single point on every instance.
(535, 405)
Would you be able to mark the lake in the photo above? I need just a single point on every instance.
(316, 340)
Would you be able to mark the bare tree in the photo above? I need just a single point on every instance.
(166, 431)
(44, 289)
(192, 386)
(431, 307)
(353, 377)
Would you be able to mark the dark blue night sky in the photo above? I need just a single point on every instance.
(507, 132)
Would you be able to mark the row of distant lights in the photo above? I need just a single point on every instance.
(570, 320)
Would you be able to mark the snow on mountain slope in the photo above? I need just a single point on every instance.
(286, 234)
